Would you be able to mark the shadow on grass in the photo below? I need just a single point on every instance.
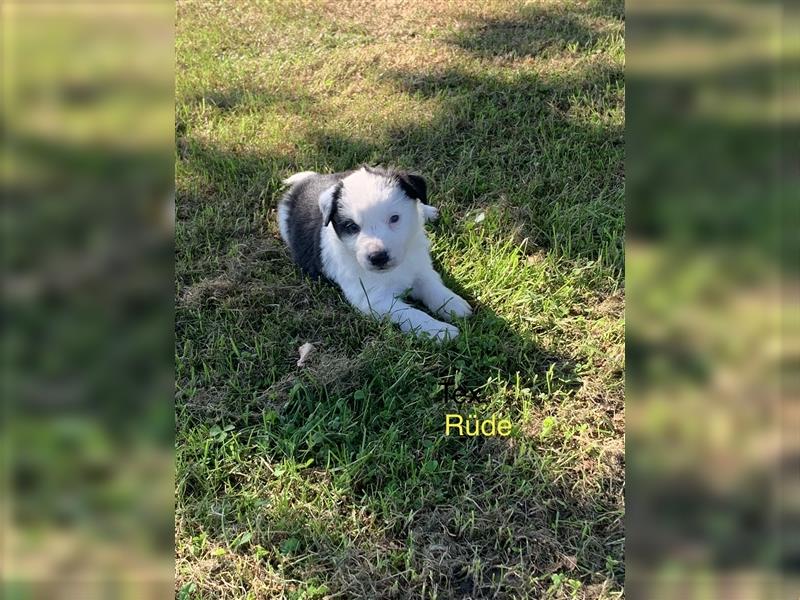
(522, 142)
(480, 517)
(534, 31)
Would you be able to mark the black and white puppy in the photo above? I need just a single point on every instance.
(364, 230)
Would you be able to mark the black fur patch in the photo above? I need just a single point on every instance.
(332, 213)
(340, 226)
(412, 185)
(304, 222)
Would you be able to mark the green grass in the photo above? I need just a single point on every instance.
(336, 479)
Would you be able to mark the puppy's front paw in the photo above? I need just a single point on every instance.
(455, 306)
(440, 332)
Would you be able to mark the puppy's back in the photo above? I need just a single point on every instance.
(300, 219)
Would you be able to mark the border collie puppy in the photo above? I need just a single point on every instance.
(364, 230)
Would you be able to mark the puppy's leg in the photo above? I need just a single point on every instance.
(429, 289)
(414, 320)
(407, 317)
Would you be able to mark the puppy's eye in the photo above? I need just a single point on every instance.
(394, 218)
(350, 228)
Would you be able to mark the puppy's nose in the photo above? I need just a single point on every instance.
(379, 259)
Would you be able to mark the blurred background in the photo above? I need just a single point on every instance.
(713, 454)
(713, 443)
(87, 154)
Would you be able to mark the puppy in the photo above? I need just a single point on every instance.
(364, 230)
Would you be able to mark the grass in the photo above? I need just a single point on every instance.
(336, 479)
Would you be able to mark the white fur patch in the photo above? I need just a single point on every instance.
(283, 221)
(429, 213)
(298, 177)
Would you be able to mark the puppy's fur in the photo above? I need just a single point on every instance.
(364, 230)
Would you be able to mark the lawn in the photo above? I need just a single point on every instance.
(336, 479)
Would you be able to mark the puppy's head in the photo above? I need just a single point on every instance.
(377, 215)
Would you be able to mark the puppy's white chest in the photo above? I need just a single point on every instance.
(391, 284)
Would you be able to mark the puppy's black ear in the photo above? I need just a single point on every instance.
(329, 202)
(414, 186)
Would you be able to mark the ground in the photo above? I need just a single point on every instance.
(336, 479)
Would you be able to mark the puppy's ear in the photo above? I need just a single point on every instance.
(414, 186)
(429, 213)
(329, 201)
